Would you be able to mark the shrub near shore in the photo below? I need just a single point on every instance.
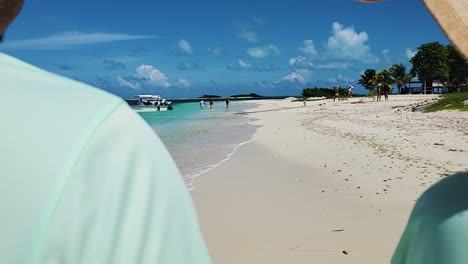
(322, 92)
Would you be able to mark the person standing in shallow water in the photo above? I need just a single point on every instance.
(227, 104)
(211, 104)
(337, 93)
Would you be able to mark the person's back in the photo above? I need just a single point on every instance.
(83, 178)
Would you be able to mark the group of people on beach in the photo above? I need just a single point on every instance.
(337, 92)
(381, 89)
(211, 104)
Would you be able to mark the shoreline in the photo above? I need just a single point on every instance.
(319, 180)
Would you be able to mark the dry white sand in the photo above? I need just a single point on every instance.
(327, 183)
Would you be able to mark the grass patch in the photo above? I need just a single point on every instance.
(451, 101)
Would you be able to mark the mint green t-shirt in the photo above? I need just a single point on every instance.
(437, 231)
(84, 179)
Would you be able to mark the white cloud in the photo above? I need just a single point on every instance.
(183, 83)
(345, 43)
(71, 38)
(152, 76)
(244, 64)
(294, 77)
(308, 48)
(183, 48)
(262, 52)
(124, 83)
(249, 35)
(409, 53)
(303, 63)
(215, 51)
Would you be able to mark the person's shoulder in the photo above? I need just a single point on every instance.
(26, 83)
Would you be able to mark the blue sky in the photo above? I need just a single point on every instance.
(189, 48)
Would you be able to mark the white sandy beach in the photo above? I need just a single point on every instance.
(327, 183)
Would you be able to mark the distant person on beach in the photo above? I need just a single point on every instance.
(350, 90)
(92, 182)
(202, 104)
(379, 92)
(337, 93)
(211, 103)
(386, 91)
(227, 104)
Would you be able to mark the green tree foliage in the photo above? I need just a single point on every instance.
(383, 79)
(367, 79)
(430, 62)
(458, 67)
(322, 92)
(399, 75)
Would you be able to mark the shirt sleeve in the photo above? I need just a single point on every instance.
(437, 231)
(124, 202)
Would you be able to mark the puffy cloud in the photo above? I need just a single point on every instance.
(152, 76)
(183, 83)
(216, 52)
(124, 83)
(308, 48)
(249, 35)
(345, 43)
(71, 38)
(301, 63)
(187, 66)
(182, 48)
(409, 53)
(265, 51)
(294, 77)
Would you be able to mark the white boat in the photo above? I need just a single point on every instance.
(149, 103)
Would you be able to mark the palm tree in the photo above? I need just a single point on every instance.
(399, 75)
(383, 77)
(367, 79)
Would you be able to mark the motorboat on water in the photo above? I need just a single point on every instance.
(149, 103)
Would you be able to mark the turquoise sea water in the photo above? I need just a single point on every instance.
(199, 140)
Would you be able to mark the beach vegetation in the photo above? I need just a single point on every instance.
(458, 68)
(383, 78)
(399, 75)
(322, 92)
(430, 62)
(367, 79)
(450, 101)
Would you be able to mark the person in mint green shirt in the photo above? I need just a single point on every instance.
(83, 178)
(437, 231)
